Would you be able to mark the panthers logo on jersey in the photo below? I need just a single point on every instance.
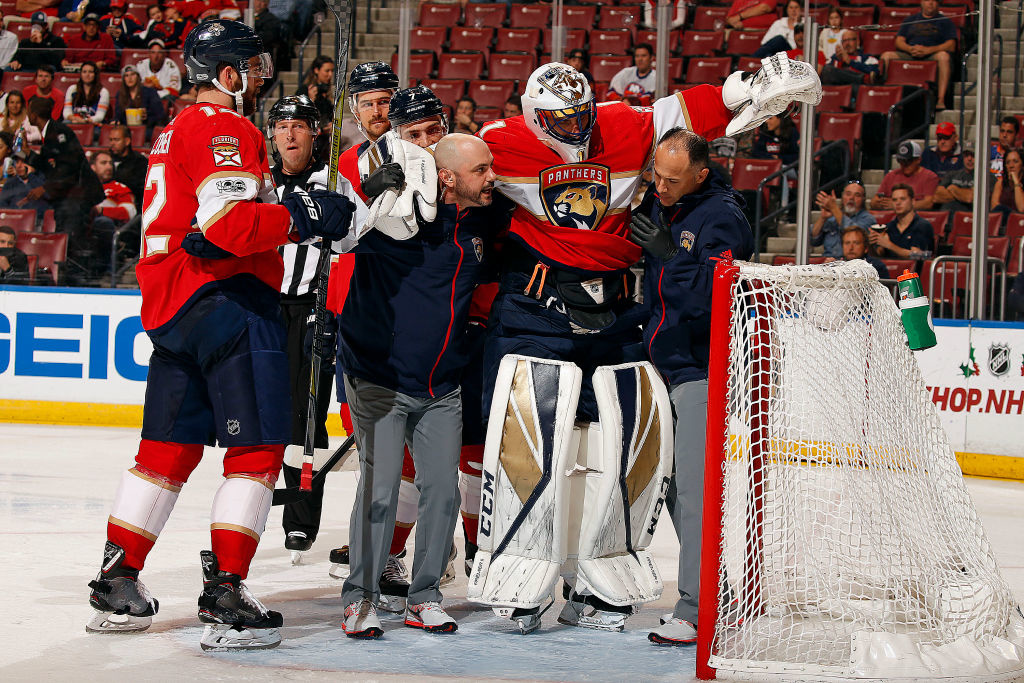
(575, 195)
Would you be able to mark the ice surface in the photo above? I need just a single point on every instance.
(56, 486)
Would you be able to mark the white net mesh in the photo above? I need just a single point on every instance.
(844, 512)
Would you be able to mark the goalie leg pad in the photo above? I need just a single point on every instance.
(521, 526)
(628, 456)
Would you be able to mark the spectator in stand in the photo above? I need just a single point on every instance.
(6, 150)
(635, 84)
(318, 85)
(777, 138)
(1009, 128)
(798, 51)
(119, 25)
(780, 37)
(838, 215)
(43, 89)
(945, 156)
(907, 235)
(751, 14)
(74, 11)
(13, 262)
(577, 59)
(465, 113)
(1007, 191)
(8, 44)
(41, 47)
(15, 115)
(956, 189)
(174, 27)
(832, 35)
(159, 73)
(513, 107)
(90, 46)
(134, 95)
(155, 28)
(17, 187)
(909, 173)
(129, 165)
(855, 246)
(87, 101)
(116, 209)
(849, 65)
(927, 35)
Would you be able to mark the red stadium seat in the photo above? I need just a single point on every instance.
(624, 16)
(709, 18)
(713, 70)
(467, 39)
(134, 56)
(464, 66)
(882, 217)
(600, 91)
(427, 39)
(139, 12)
(82, 131)
(529, 16)
(610, 42)
(518, 39)
(49, 223)
(112, 82)
(579, 16)
(137, 133)
(911, 73)
(17, 80)
(513, 67)
(490, 93)
(701, 43)
(480, 15)
(21, 29)
(938, 220)
(877, 42)
(1015, 262)
(783, 260)
(485, 114)
(603, 67)
(896, 266)
(878, 98)
(448, 92)
(963, 225)
(858, 16)
(439, 15)
(420, 66)
(63, 81)
(998, 247)
(1015, 225)
(63, 29)
(747, 174)
(835, 97)
(751, 64)
(838, 126)
(674, 39)
(22, 220)
(744, 42)
(892, 17)
(50, 249)
(575, 39)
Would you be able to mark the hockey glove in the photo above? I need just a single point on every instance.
(196, 244)
(328, 341)
(320, 213)
(387, 177)
(655, 238)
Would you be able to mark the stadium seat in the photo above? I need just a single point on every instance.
(467, 39)
(1015, 263)
(839, 126)
(49, 223)
(517, 39)
(137, 133)
(877, 42)
(600, 91)
(139, 12)
(911, 73)
(858, 16)
(878, 98)
(882, 217)
(17, 80)
(575, 39)
(529, 16)
(579, 16)
(744, 42)
(892, 17)
(32, 259)
(420, 66)
(514, 67)
(22, 220)
(675, 69)
(82, 131)
(134, 56)
(63, 29)
(783, 260)
(623, 16)
(709, 18)
(21, 29)
(751, 64)
(63, 81)
(480, 15)
(712, 70)
(896, 266)
(1015, 225)
(448, 92)
(963, 225)
(603, 67)
(485, 114)
(181, 105)
(112, 82)
(674, 39)
(747, 174)
(610, 42)
(50, 249)
(427, 39)
(938, 220)
(490, 93)
(700, 43)
(835, 97)
(465, 66)
(439, 15)
(998, 247)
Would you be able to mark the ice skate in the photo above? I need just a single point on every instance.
(673, 631)
(394, 585)
(361, 620)
(470, 556)
(339, 563)
(449, 571)
(234, 618)
(298, 543)
(430, 617)
(589, 611)
(121, 601)
(527, 620)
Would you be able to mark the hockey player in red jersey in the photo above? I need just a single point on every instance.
(218, 373)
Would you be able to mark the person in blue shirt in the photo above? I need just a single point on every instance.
(907, 235)
(945, 156)
(836, 215)
(14, 194)
(927, 35)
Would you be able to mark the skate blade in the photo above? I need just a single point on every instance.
(108, 622)
(224, 637)
(296, 557)
(394, 604)
(601, 621)
(338, 571)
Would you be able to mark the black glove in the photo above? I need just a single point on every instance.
(320, 213)
(383, 179)
(655, 238)
(329, 339)
(196, 244)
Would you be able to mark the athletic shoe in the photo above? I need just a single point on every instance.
(673, 631)
(430, 617)
(361, 620)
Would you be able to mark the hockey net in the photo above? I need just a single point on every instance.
(839, 537)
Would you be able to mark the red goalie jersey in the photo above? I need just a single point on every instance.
(208, 171)
(577, 215)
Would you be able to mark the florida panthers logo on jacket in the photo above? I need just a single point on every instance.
(575, 195)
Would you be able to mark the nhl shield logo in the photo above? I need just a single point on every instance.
(575, 195)
(999, 359)
(234, 426)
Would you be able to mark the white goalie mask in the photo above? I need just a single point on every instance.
(558, 106)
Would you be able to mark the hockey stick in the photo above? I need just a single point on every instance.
(294, 494)
(342, 13)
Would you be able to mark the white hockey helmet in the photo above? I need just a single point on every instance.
(558, 106)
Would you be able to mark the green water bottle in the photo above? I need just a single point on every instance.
(916, 312)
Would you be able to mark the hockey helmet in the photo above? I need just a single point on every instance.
(369, 77)
(217, 42)
(293, 107)
(558, 106)
(415, 104)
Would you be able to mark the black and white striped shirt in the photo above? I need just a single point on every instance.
(299, 259)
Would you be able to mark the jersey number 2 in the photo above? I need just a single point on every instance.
(155, 178)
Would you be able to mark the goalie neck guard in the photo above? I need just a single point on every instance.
(558, 106)
(218, 42)
(369, 77)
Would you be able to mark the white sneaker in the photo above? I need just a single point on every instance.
(673, 631)
(361, 620)
(429, 616)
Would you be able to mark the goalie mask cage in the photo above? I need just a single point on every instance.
(839, 539)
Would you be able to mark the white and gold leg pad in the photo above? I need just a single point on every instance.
(143, 503)
(242, 504)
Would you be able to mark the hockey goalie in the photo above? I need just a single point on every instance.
(577, 457)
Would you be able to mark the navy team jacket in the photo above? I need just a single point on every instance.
(403, 325)
(706, 224)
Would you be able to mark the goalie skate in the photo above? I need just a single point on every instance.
(121, 601)
(339, 563)
(757, 97)
(449, 570)
(588, 611)
(234, 618)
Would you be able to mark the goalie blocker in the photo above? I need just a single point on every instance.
(580, 500)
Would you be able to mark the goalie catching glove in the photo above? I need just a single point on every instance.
(399, 209)
(757, 97)
(319, 213)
